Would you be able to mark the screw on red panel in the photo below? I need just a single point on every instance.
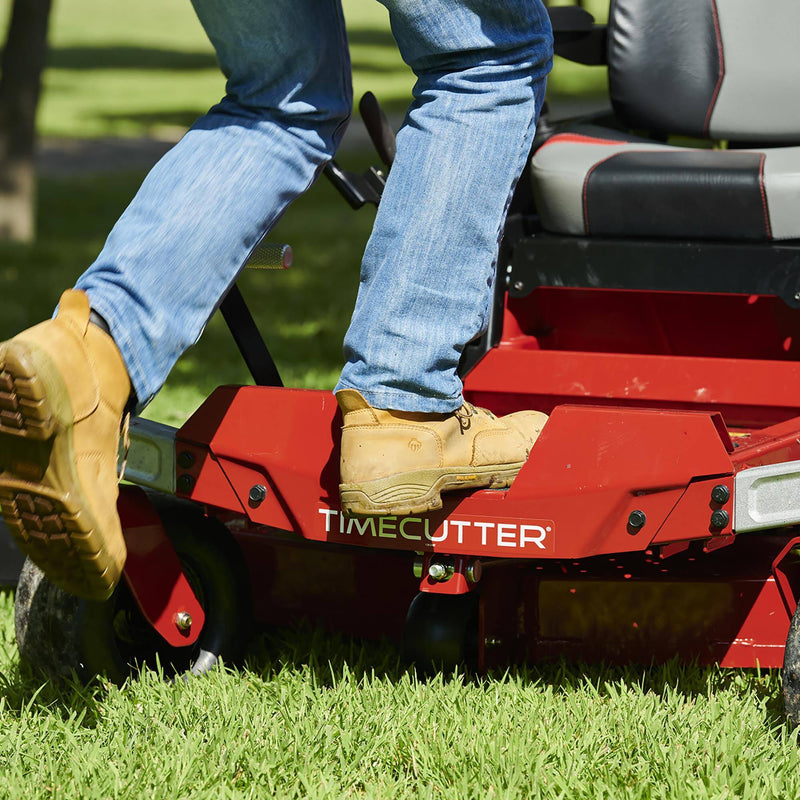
(183, 621)
(258, 494)
(719, 519)
(441, 571)
(185, 483)
(636, 521)
(185, 459)
(720, 494)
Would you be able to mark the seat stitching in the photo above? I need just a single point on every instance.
(721, 54)
(764, 194)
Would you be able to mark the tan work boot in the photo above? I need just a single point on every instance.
(63, 390)
(396, 462)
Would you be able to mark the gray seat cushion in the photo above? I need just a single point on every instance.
(597, 185)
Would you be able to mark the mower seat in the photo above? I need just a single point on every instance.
(596, 185)
(711, 71)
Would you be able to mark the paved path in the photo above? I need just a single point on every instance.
(65, 157)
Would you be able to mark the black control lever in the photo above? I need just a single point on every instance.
(367, 187)
(356, 189)
(378, 127)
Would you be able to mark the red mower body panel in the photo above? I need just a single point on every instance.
(616, 540)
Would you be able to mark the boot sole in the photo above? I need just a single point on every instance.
(419, 491)
(42, 500)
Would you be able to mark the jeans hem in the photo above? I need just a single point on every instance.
(397, 400)
(126, 349)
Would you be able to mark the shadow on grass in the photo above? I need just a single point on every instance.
(149, 121)
(119, 56)
(330, 656)
(371, 37)
(24, 693)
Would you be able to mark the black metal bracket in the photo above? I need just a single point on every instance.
(695, 266)
(357, 190)
(249, 340)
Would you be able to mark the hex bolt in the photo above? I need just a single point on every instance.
(720, 494)
(185, 459)
(185, 484)
(719, 519)
(183, 621)
(636, 521)
(519, 286)
(258, 493)
(442, 569)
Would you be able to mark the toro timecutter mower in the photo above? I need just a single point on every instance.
(647, 298)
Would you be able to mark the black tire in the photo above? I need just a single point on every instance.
(441, 631)
(791, 671)
(58, 634)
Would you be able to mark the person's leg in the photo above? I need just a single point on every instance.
(429, 267)
(163, 271)
(206, 205)
(427, 274)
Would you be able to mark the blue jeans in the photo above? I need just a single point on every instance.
(428, 270)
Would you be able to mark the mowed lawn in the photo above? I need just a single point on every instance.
(311, 715)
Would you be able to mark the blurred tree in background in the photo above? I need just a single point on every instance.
(20, 83)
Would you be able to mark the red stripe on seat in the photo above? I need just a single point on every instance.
(578, 138)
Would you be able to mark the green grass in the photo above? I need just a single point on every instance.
(311, 716)
(146, 68)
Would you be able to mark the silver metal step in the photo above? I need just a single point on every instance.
(766, 497)
(151, 456)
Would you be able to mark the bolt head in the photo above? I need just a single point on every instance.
(185, 459)
(258, 494)
(183, 621)
(720, 494)
(719, 519)
(437, 571)
(185, 484)
(636, 520)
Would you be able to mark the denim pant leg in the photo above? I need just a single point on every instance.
(428, 271)
(206, 205)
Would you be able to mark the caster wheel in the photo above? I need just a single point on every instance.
(59, 634)
(791, 671)
(441, 631)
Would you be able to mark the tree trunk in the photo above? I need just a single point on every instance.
(20, 84)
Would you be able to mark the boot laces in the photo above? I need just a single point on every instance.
(465, 415)
(467, 412)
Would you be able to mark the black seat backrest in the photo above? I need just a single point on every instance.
(722, 69)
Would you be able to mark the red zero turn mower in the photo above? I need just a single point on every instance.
(648, 299)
